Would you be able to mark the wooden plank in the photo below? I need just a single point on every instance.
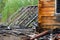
(46, 13)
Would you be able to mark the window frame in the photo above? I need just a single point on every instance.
(56, 8)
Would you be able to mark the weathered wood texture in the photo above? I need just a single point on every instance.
(46, 14)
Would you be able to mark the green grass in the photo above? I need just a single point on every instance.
(11, 6)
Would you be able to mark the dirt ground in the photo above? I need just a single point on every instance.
(10, 37)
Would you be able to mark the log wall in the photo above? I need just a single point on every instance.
(46, 13)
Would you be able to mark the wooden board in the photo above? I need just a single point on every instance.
(46, 14)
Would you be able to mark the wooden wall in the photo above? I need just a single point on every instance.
(46, 13)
